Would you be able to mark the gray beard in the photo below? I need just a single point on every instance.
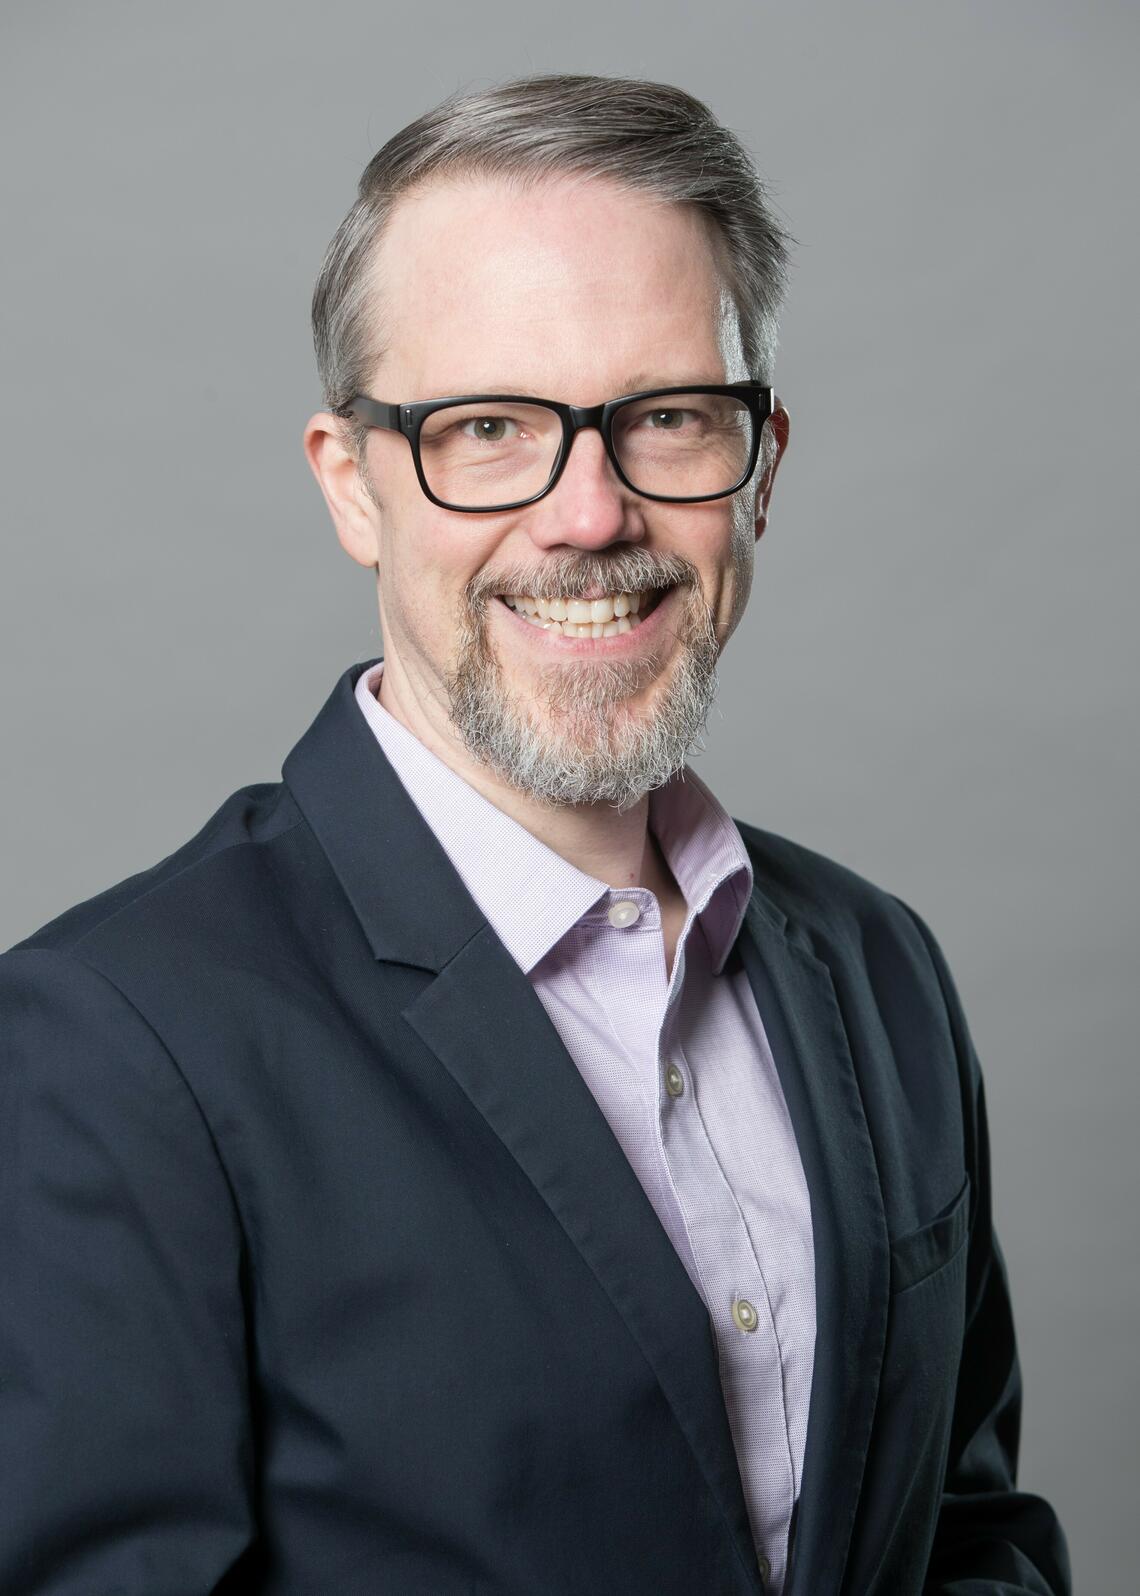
(587, 747)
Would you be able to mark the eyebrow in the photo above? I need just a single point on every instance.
(636, 384)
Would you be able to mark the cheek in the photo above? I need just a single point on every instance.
(741, 595)
(744, 528)
(423, 572)
(727, 557)
(730, 566)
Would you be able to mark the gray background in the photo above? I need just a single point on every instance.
(936, 682)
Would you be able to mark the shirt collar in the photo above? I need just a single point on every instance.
(707, 856)
(530, 895)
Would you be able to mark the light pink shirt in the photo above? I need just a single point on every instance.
(681, 1068)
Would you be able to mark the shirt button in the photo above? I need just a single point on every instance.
(745, 1314)
(765, 1569)
(624, 914)
(674, 1081)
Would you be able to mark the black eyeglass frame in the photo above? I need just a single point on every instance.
(408, 418)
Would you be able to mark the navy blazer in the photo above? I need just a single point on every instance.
(322, 1272)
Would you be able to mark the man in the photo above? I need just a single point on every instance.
(475, 1164)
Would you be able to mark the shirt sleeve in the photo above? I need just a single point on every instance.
(125, 1449)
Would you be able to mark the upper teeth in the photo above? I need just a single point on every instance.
(575, 617)
(612, 607)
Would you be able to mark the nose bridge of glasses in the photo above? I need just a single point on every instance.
(584, 418)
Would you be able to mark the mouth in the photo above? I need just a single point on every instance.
(608, 615)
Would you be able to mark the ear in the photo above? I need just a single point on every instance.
(355, 515)
(779, 424)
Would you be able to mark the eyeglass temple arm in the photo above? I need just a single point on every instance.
(374, 411)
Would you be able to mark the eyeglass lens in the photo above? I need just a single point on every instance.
(679, 446)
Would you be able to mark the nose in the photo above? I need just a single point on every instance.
(589, 506)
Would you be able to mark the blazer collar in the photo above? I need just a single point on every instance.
(403, 887)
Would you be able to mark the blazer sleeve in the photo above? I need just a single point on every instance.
(990, 1539)
(125, 1451)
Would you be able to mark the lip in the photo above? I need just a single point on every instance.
(592, 647)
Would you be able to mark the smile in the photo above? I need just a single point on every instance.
(608, 616)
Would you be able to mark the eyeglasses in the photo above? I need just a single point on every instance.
(488, 452)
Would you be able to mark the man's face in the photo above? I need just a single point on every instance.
(578, 291)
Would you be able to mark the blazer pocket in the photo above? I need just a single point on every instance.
(923, 1252)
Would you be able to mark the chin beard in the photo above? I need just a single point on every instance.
(575, 739)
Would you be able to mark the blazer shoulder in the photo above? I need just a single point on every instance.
(249, 819)
(817, 892)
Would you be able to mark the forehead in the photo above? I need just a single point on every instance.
(565, 283)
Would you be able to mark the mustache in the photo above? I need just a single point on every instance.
(575, 575)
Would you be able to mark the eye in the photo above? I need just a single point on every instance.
(488, 429)
(675, 419)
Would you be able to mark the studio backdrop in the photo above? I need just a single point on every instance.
(936, 680)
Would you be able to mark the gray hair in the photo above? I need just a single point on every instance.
(647, 136)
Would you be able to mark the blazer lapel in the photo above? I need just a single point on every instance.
(482, 1019)
(796, 999)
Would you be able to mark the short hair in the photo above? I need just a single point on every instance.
(648, 136)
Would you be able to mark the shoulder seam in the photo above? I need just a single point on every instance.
(123, 908)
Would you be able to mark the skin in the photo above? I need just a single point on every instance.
(577, 290)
